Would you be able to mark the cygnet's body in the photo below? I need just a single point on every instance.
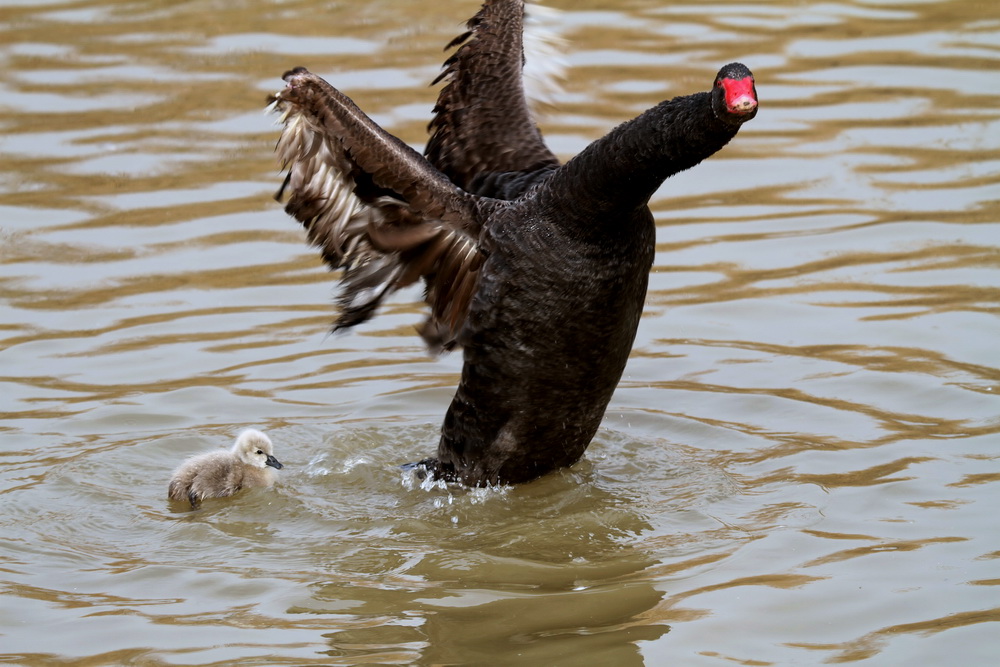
(223, 473)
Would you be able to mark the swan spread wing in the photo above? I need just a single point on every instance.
(482, 123)
(376, 208)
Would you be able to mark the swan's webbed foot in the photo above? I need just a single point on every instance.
(432, 470)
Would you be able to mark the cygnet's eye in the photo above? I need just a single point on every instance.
(260, 451)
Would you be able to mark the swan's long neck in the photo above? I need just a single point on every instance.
(621, 171)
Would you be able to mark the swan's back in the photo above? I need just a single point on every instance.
(212, 475)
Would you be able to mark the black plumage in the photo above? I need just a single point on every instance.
(537, 270)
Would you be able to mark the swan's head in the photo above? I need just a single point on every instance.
(255, 449)
(734, 96)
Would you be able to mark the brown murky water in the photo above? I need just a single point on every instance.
(801, 465)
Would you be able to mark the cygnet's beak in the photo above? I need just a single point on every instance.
(273, 462)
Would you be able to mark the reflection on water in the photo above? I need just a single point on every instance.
(797, 467)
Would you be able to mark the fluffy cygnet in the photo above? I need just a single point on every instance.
(223, 473)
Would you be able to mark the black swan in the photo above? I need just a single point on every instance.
(537, 270)
(223, 473)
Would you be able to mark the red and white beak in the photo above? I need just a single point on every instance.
(741, 95)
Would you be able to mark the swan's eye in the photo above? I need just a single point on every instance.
(260, 451)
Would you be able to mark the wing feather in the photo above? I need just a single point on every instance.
(376, 208)
(482, 124)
